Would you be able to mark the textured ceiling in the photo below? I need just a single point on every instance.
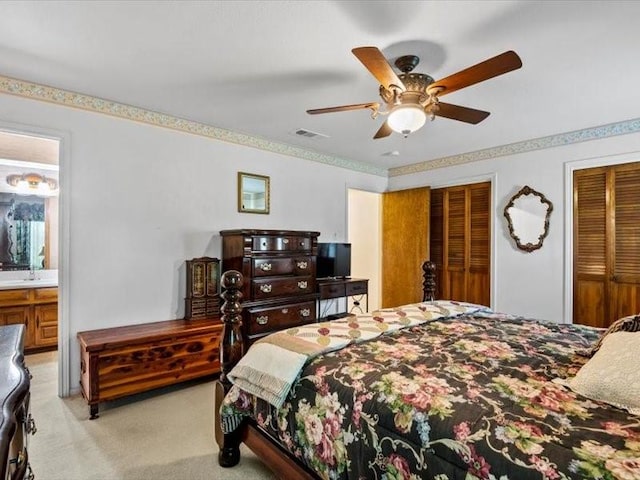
(255, 67)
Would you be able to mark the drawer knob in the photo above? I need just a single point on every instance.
(285, 311)
(262, 319)
(265, 267)
(302, 265)
(305, 312)
(265, 288)
(285, 240)
(302, 284)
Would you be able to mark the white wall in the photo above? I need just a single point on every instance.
(365, 219)
(144, 199)
(530, 283)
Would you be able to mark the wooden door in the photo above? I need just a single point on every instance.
(14, 315)
(405, 245)
(46, 331)
(624, 244)
(606, 253)
(455, 244)
(460, 242)
(436, 240)
(479, 261)
(17, 315)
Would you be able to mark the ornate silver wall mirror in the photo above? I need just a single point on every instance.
(253, 193)
(527, 215)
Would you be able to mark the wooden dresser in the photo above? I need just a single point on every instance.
(15, 420)
(120, 361)
(279, 269)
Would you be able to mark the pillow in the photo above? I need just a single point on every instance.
(624, 324)
(612, 375)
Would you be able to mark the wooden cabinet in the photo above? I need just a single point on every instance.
(203, 298)
(606, 250)
(16, 423)
(37, 309)
(120, 361)
(14, 315)
(460, 242)
(46, 331)
(337, 288)
(279, 270)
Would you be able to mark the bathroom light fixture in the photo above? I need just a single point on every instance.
(33, 183)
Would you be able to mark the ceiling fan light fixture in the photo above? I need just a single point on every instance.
(406, 119)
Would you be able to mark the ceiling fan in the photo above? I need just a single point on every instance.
(412, 97)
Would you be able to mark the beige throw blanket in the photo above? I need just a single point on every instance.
(272, 365)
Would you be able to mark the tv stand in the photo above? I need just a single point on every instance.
(336, 288)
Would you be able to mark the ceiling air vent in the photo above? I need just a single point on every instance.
(309, 134)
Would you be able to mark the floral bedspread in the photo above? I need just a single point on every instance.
(469, 397)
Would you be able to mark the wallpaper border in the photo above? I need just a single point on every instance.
(67, 98)
(541, 143)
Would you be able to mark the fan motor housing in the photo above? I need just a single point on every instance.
(415, 84)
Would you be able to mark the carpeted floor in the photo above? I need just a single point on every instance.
(164, 434)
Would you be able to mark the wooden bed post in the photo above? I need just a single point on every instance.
(429, 283)
(231, 351)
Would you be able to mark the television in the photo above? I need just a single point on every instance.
(333, 260)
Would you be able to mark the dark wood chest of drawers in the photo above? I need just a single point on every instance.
(16, 422)
(279, 270)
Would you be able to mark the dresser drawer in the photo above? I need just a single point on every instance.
(50, 293)
(272, 266)
(283, 243)
(356, 288)
(331, 290)
(265, 320)
(10, 297)
(271, 287)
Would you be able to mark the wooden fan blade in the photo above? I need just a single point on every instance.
(503, 63)
(343, 108)
(375, 62)
(464, 114)
(384, 131)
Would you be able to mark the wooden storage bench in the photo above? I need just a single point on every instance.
(120, 361)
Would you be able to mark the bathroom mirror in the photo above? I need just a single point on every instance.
(527, 215)
(253, 193)
(22, 232)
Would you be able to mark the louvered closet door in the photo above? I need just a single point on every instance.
(590, 285)
(606, 244)
(455, 247)
(463, 238)
(436, 241)
(478, 284)
(625, 251)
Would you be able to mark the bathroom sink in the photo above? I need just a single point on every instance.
(28, 283)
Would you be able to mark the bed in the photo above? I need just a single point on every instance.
(446, 390)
